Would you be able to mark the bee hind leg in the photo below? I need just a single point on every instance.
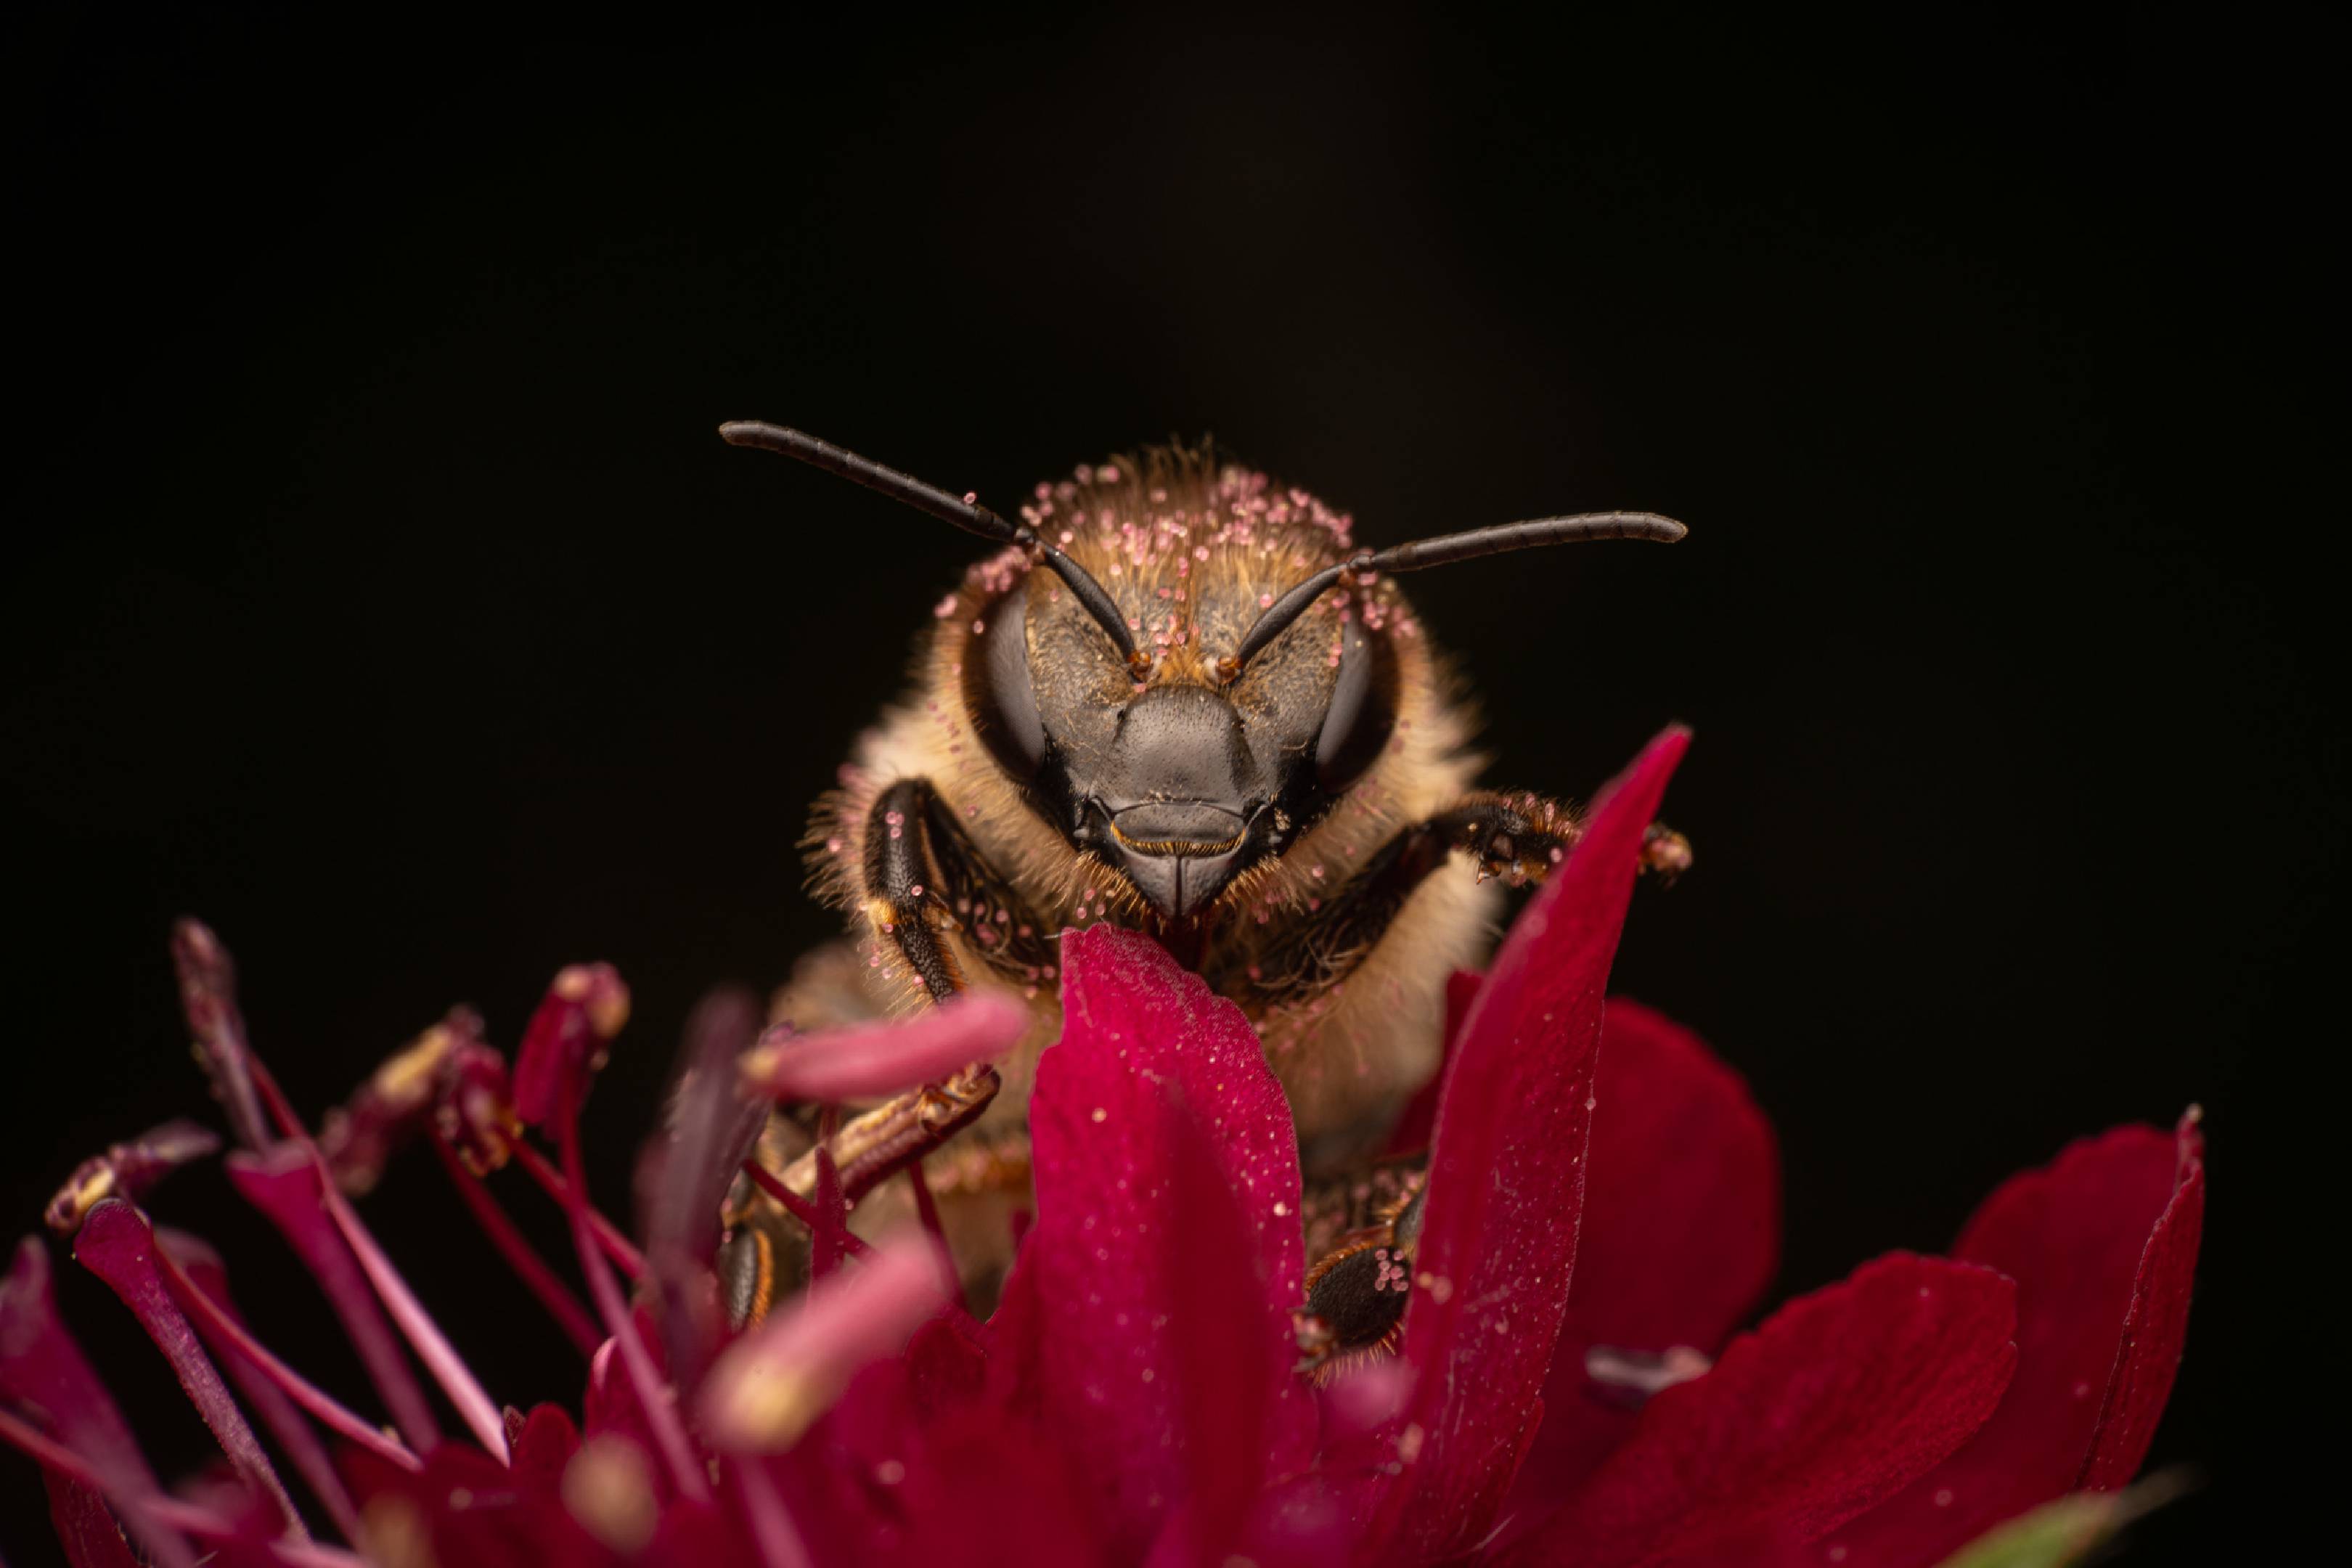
(1355, 1292)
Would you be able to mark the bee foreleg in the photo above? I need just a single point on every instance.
(923, 877)
(901, 890)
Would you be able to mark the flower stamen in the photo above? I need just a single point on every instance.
(117, 1244)
(553, 1293)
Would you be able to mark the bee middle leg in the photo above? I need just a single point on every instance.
(921, 879)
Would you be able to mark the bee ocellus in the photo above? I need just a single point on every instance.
(1179, 698)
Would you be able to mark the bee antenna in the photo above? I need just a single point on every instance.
(962, 510)
(1422, 553)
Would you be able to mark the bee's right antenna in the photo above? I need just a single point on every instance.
(1421, 553)
(965, 511)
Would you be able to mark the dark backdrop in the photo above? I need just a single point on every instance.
(380, 590)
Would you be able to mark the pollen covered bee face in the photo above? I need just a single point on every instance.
(1181, 770)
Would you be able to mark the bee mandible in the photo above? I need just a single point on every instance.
(1179, 698)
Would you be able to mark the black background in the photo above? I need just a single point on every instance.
(380, 591)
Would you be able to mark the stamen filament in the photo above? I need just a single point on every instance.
(424, 1336)
(219, 1328)
(615, 1244)
(653, 1393)
(553, 1293)
(926, 1209)
(284, 1187)
(958, 1317)
(153, 1514)
(118, 1244)
(772, 1531)
(189, 1260)
(799, 1207)
(833, 1226)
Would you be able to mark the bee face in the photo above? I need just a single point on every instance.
(1185, 770)
(1204, 669)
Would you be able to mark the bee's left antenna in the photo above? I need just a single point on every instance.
(965, 511)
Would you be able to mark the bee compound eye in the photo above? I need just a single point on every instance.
(1356, 721)
(999, 690)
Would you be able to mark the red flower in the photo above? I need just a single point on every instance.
(1600, 1213)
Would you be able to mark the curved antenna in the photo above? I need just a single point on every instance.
(962, 512)
(1422, 553)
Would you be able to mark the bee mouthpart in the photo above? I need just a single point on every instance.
(1181, 854)
(1183, 827)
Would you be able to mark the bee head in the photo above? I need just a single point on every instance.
(1182, 693)
(1179, 776)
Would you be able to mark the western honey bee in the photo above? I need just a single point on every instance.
(1210, 715)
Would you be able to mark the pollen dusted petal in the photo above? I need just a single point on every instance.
(1681, 1230)
(1838, 1400)
(872, 1061)
(1156, 1120)
(1506, 1183)
(2101, 1243)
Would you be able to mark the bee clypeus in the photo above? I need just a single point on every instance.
(1179, 698)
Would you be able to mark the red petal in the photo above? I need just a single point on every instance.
(43, 1368)
(990, 1494)
(2101, 1244)
(1839, 1399)
(1106, 1315)
(883, 1059)
(1681, 1230)
(542, 1444)
(1506, 1182)
(1227, 1379)
(475, 1517)
(2155, 1328)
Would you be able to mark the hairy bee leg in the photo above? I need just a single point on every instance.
(923, 873)
(764, 1246)
(1355, 1292)
(900, 888)
(1520, 837)
(1666, 854)
(997, 924)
